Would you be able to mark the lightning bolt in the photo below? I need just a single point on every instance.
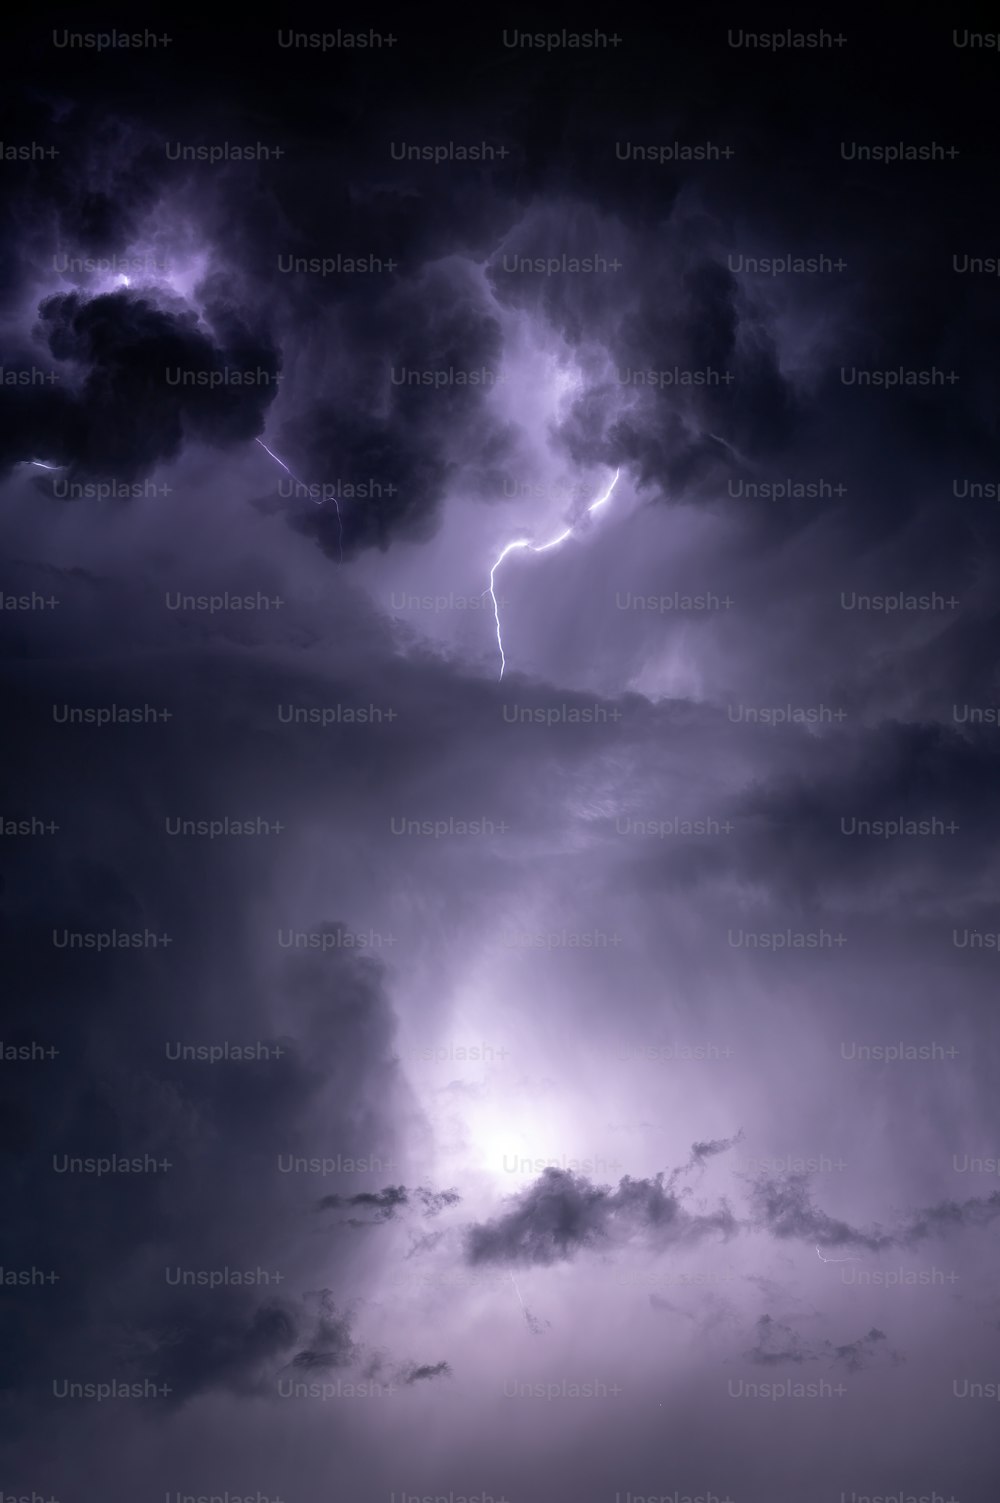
(340, 520)
(535, 1326)
(837, 1260)
(41, 466)
(529, 1319)
(534, 548)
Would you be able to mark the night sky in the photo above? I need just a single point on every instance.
(501, 542)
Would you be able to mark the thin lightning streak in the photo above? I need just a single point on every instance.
(39, 465)
(521, 543)
(837, 1260)
(540, 548)
(340, 520)
(275, 458)
(516, 1289)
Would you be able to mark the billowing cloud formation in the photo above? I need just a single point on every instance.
(783, 1207)
(134, 377)
(418, 369)
(671, 923)
(563, 1213)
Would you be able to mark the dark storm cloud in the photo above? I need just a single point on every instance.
(407, 398)
(385, 1203)
(331, 1346)
(339, 1084)
(109, 175)
(783, 1206)
(563, 1213)
(351, 424)
(425, 1371)
(140, 380)
(803, 831)
(132, 1298)
(559, 1215)
(778, 344)
(693, 322)
(330, 1343)
(203, 1347)
(676, 303)
(90, 199)
(110, 411)
(38, 421)
(684, 308)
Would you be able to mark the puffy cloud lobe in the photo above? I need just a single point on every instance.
(408, 397)
(136, 376)
(563, 1213)
(141, 379)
